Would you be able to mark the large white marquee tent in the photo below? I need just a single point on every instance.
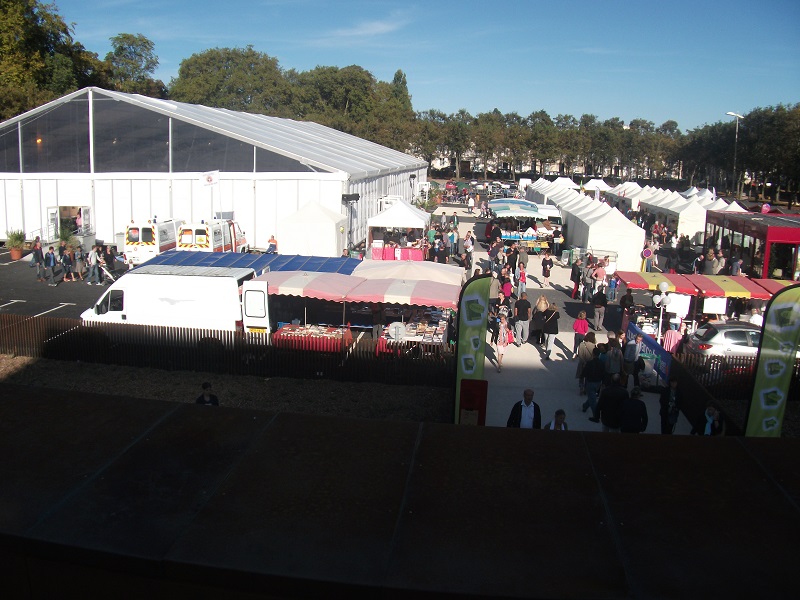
(118, 157)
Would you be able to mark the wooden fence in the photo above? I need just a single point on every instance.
(184, 349)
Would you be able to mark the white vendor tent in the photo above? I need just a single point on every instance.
(567, 183)
(610, 231)
(400, 215)
(410, 270)
(596, 184)
(323, 232)
(735, 207)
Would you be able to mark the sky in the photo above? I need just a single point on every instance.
(689, 61)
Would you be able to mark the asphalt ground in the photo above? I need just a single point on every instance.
(21, 293)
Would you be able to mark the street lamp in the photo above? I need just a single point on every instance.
(411, 179)
(735, 146)
(661, 300)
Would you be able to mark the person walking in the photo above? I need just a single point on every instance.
(669, 407)
(522, 280)
(525, 414)
(504, 338)
(634, 413)
(93, 275)
(50, 262)
(632, 364)
(593, 373)
(575, 277)
(600, 302)
(581, 328)
(38, 260)
(550, 329)
(610, 404)
(66, 264)
(522, 319)
(537, 319)
(78, 266)
(547, 266)
(584, 355)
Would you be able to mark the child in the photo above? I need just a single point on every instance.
(612, 289)
(522, 280)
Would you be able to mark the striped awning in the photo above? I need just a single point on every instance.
(649, 281)
(773, 286)
(723, 286)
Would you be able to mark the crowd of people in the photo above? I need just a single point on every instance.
(72, 264)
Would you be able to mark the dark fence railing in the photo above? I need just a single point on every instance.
(726, 381)
(183, 349)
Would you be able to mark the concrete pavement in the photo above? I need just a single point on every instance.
(553, 382)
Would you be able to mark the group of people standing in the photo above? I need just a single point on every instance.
(73, 262)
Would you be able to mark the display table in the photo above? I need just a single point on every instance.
(312, 337)
(419, 338)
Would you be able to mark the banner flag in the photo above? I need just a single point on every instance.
(210, 178)
(774, 366)
(473, 317)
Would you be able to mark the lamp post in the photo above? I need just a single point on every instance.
(735, 147)
(661, 300)
(411, 179)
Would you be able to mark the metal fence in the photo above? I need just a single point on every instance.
(184, 349)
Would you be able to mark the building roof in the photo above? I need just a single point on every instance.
(312, 144)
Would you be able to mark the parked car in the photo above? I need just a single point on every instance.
(725, 339)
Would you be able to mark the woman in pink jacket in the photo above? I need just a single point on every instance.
(580, 327)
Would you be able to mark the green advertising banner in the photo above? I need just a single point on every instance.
(473, 314)
(775, 365)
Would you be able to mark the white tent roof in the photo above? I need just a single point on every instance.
(567, 183)
(718, 204)
(609, 230)
(597, 184)
(410, 270)
(316, 146)
(400, 215)
(735, 207)
(692, 191)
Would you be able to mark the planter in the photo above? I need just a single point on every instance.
(16, 253)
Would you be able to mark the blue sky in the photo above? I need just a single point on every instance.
(691, 61)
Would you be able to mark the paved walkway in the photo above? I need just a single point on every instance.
(553, 382)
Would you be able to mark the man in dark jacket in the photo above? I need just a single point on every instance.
(610, 404)
(634, 413)
(600, 302)
(593, 372)
(525, 414)
(669, 405)
(575, 276)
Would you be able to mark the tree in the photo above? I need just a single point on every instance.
(132, 63)
(428, 135)
(458, 136)
(39, 60)
(567, 141)
(542, 139)
(234, 78)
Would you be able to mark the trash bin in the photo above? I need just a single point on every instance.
(566, 258)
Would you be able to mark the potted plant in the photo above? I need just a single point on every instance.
(15, 242)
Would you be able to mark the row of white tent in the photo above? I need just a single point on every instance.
(591, 224)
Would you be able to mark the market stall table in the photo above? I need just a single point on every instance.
(312, 337)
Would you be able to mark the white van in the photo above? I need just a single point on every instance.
(215, 235)
(178, 296)
(143, 241)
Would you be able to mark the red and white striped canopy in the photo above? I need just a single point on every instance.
(350, 288)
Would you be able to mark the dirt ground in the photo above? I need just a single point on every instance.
(321, 397)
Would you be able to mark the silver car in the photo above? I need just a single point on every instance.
(725, 339)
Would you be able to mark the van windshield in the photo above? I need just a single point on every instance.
(187, 236)
(133, 235)
(147, 234)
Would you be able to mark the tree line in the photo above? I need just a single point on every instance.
(40, 61)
